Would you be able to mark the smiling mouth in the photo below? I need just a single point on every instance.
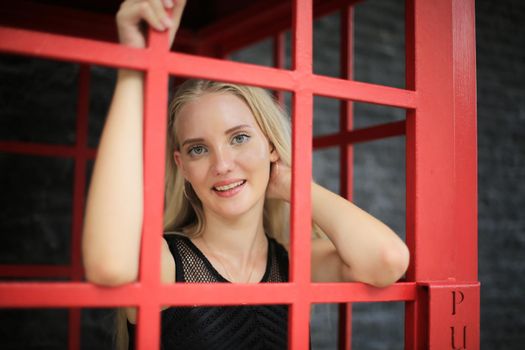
(229, 186)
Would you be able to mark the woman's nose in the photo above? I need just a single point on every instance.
(223, 161)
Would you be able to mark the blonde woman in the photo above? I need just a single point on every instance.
(227, 188)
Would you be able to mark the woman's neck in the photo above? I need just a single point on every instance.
(235, 239)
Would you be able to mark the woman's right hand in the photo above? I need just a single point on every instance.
(133, 13)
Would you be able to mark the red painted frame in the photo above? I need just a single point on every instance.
(440, 131)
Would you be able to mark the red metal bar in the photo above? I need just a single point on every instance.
(78, 196)
(74, 328)
(359, 292)
(441, 136)
(362, 92)
(453, 316)
(71, 294)
(414, 309)
(244, 294)
(346, 156)
(378, 132)
(59, 47)
(43, 149)
(155, 121)
(465, 140)
(346, 115)
(35, 271)
(301, 175)
(279, 56)
(242, 73)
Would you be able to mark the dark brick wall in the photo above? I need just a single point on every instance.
(501, 160)
(38, 102)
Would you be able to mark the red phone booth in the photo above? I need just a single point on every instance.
(441, 289)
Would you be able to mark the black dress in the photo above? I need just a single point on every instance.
(221, 327)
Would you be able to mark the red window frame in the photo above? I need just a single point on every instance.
(441, 290)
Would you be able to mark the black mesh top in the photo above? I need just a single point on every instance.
(221, 327)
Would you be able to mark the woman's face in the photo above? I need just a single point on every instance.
(224, 155)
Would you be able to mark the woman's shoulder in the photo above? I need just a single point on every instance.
(279, 250)
(276, 243)
(174, 236)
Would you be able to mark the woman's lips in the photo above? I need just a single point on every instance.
(229, 189)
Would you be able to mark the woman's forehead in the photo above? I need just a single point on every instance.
(213, 113)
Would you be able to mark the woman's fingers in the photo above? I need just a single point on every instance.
(156, 13)
(159, 15)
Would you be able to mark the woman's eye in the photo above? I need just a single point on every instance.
(241, 138)
(196, 150)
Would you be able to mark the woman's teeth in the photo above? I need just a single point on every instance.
(228, 187)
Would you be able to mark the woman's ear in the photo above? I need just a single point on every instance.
(274, 156)
(178, 162)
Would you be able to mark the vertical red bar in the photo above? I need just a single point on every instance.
(465, 139)
(301, 175)
(412, 308)
(155, 121)
(441, 151)
(78, 196)
(346, 121)
(453, 311)
(279, 60)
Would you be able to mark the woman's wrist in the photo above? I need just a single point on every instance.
(124, 73)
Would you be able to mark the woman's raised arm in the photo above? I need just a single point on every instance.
(113, 220)
(360, 247)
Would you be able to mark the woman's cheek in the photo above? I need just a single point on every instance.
(196, 170)
(255, 153)
(256, 161)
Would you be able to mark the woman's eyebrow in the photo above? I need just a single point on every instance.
(229, 131)
(235, 128)
(192, 141)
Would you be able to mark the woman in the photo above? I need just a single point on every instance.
(227, 185)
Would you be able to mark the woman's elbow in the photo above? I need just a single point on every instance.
(109, 275)
(394, 264)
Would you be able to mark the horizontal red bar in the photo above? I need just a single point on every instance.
(34, 271)
(363, 92)
(65, 48)
(60, 47)
(359, 292)
(43, 149)
(274, 78)
(70, 294)
(360, 135)
(243, 73)
(228, 294)
(33, 294)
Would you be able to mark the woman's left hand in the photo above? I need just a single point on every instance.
(280, 181)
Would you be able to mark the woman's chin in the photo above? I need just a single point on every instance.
(238, 208)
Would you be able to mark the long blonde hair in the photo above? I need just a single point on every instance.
(183, 210)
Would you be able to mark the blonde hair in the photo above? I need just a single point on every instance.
(183, 209)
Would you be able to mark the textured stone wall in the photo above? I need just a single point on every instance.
(38, 104)
(501, 161)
